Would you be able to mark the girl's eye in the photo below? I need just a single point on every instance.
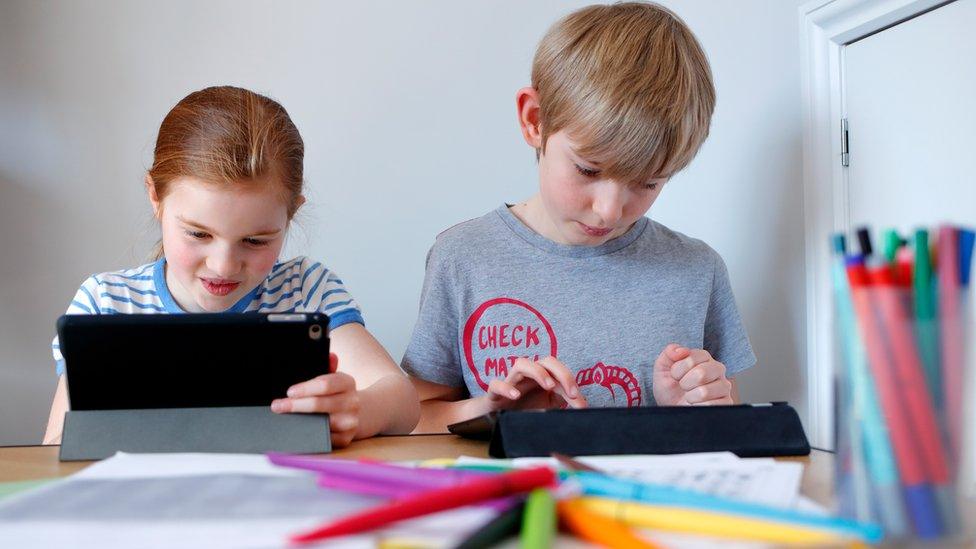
(586, 171)
(199, 235)
(255, 242)
(650, 186)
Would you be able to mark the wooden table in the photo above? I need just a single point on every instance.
(37, 462)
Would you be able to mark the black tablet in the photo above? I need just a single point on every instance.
(119, 362)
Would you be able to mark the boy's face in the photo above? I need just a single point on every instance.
(582, 207)
(220, 242)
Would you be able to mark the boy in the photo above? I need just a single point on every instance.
(637, 314)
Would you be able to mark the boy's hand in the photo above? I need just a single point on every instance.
(547, 383)
(334, 394)
(685, 376)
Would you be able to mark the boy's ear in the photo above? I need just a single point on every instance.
(529, 110)
(153, 197)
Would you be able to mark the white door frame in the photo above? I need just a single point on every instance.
(826, 26)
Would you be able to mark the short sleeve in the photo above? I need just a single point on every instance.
(725, 336)
(330, 296)
(84, 303)
(432, 353)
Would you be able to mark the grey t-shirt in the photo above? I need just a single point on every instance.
(495, 290)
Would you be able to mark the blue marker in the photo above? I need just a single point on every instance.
(867, 409)
(602, 485)
(965, 240)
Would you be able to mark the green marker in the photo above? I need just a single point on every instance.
(497, 530)
(891, 244)
(484, 467)
(539, 520)
(926, 326)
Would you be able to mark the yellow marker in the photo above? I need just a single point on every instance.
(403, 543)
(437, 462)
(708, 523)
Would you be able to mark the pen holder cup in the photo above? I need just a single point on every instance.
(905, 418)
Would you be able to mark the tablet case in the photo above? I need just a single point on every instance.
(98, 434)
(190, 383)
(746, 430)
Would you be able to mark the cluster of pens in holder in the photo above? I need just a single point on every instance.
(904, 419)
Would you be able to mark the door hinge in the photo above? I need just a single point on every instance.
(845, 151)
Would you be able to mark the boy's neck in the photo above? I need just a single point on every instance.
(533, 215)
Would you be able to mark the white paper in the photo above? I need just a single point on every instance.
(201, 500)
(126, 465)
(756, 480)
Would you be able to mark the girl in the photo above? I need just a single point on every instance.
(226, 181)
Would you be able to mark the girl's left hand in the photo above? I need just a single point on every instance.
(334, 394)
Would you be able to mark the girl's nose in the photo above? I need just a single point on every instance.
(224, 263)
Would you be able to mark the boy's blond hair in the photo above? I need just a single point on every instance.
(630, 84)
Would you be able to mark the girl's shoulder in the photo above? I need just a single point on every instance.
(300, 284)
(124, 291)
(142, 275)
(293, 274)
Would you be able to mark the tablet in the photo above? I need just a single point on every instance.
(120, 362)
(477, 428)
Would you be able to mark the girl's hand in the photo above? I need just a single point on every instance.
(334, 394)
(547, 383)
(685, 376)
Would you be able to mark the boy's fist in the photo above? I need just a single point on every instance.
(685, 376)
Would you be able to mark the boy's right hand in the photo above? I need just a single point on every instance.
(547, 383)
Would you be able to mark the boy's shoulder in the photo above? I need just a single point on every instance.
(669, 249)
(478, 228)
(468, 237)
(665, 239)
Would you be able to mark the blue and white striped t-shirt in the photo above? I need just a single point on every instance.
(298, 285)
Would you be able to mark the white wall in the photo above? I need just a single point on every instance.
(407, 110)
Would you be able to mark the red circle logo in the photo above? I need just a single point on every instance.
(502, 330)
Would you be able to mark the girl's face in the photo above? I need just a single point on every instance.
(220, 242)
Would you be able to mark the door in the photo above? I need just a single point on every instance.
(910, 97)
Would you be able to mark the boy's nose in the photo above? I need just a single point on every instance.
(608, 203)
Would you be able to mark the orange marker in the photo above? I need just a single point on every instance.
(598, 529)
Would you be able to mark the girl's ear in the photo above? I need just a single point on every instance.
(153, 197)
(529, 109)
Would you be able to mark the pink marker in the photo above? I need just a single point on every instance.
(950, 324)
(919, 497)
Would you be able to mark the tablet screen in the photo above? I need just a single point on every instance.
(189, 360)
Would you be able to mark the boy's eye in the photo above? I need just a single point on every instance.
(199, 235)
(256, 242)
(586, 171)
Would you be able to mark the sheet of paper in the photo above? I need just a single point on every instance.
(126, 465)
(756, 480)
(200, 500)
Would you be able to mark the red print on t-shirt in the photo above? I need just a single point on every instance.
(610, 376)
(499, 332)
